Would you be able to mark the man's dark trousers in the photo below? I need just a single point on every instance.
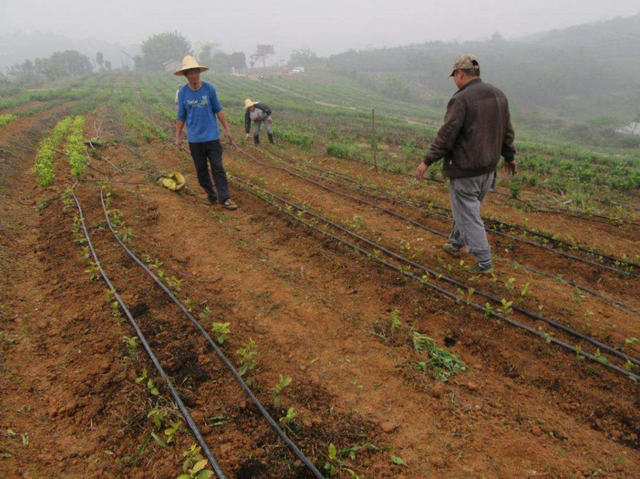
(212, 151)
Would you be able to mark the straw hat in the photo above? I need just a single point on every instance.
(248, 103)
(189, 63)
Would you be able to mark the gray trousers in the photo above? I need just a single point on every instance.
(267, 126)
(467, 194)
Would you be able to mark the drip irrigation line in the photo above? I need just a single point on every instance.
(498, 233)
(551, 340)
(542, 273)
(502, 224)
(218, 351)
(176, 397)
(534, 208)
(359, 187)
(465, 287)
(580, 287)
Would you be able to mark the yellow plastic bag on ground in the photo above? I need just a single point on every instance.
(174, 181)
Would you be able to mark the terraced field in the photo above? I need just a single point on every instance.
(319, 330)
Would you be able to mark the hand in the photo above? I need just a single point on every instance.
(246, 137)
(229, 137)
(421, 170)
(511, 167)
(179, 142)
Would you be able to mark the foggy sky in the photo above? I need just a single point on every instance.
(325, 26)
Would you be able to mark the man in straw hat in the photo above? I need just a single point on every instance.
(257, 113)
(198, 107)
(476, 132)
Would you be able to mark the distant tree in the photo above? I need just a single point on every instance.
(107, 65)
(220, 62)
(162, 47)
(74, 62)
(99, 59)
(206, 53)
(497, 37)
(262, 52)
(238, 60)
(252, 62)
(303, 57)
(138, 62)
(59, 65)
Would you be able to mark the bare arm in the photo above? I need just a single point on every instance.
(179, 127)
(222, 116)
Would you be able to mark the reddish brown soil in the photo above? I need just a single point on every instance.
(318, 313)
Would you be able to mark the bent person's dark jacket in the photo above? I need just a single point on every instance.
(247, 118)
(477, 131)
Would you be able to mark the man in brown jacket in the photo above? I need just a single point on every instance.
(476, 132)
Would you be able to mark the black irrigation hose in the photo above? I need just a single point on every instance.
(154, 359)
(393, 213)
(360, 187)
(502, 224)
(581, 288)
(218, 351)
(534, 208)
(579, 352)
(498, 233)
(465, 287)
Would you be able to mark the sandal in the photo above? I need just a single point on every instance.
(230, 205)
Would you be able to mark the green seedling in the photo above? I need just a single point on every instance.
(397, 460)
(221, 331)
(126, 234)
(600, 357)
(506, 307)
(148, 382)
(396, 323)
(93, 271)
(510, 284)
(279, 388)
(470, 293)
(194, 465)
(289, 417)
(132, 345)
(6, 339)
(488, 311)
(115, 310)
(525, 290)
(174, 283)
(335, 460)
(248, 360)
(159, 417)
(171, 432)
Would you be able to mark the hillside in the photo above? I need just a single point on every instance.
(580, 72)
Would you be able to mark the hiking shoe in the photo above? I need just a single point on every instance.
(211, 200)
(478, 268)
(452, 250)
(230, 205)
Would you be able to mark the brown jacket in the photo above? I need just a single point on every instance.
(476, 132)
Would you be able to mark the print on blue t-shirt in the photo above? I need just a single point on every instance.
(198, 108)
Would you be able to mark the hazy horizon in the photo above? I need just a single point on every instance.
(326, 28)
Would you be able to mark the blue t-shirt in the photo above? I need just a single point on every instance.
(198, 108)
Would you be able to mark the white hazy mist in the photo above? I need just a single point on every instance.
(328, 26)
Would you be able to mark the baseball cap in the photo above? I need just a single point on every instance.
(465, 61)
